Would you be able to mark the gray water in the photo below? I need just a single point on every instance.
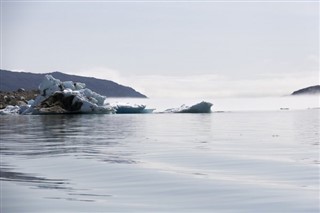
(264, 161)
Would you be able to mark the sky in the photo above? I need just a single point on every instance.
(169, 49)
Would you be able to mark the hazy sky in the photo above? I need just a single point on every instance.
(169, 49)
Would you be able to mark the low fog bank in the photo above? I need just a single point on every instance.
(235, 104)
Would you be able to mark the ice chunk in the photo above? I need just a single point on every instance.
(49, 85)
(93, 96)
(30, 102)
(79, 85)
(202, 107)
(68, 85)
(127, 108)
(10, 110)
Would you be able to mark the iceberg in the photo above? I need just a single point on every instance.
(202, 107)
(126, 108)
(57, 97)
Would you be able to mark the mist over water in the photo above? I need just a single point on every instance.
(260, 160)
(232, 104)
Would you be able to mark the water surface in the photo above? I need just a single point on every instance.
(264, 161)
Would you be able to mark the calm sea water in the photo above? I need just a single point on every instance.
(256, 161)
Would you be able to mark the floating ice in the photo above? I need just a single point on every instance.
(202, 107)
(126, 108)
(58, 97)
(10, 110)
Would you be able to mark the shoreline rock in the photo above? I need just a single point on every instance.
(17, 98)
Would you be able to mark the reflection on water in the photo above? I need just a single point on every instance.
(258, 161)
(71, 194)
(80, 135)
(37, 137)
(7, 175)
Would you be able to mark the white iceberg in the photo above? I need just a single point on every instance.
(58, 97)
(202, 107)
(10, 110)
(127, 108)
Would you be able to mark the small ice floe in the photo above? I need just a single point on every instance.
(10, 110)
(202, 107)
(15, 110)
(126, 108)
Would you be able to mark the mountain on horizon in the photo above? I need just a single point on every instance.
(12, 81)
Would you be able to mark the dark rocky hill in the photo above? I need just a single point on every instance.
(12, 81)
(308, 91)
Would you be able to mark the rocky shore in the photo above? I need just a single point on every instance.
(19, 97)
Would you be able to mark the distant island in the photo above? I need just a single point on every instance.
(308, 91)
(12, 81)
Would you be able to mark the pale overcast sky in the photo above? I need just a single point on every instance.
(169, 49)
